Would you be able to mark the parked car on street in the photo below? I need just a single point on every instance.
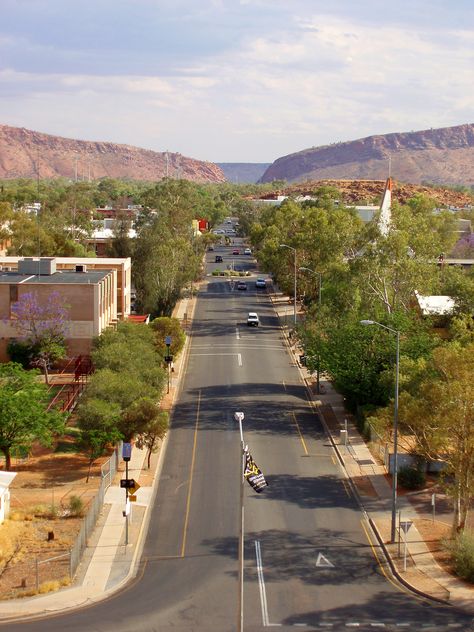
(247, 251)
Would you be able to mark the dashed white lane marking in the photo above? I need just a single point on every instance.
(237, 333)
(239, 359)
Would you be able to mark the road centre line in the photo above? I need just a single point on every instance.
(299, 432)
(193, 458)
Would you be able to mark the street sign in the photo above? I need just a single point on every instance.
(168, 341)
(405, 525)
(128, 483)
(132, 498)
(126, 451)
(134, 489)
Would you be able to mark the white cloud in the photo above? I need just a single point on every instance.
(311, 79)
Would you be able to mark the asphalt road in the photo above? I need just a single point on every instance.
(309, 559)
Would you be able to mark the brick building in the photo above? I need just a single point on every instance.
(90, 296)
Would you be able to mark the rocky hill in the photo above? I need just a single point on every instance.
(25, 153)
(366, 192)
(443, 156)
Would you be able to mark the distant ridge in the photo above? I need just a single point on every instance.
(243, 172)
(439, 156)
(25, 153)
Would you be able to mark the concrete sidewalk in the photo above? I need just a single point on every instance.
(423, 573)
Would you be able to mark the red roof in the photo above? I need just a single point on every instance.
(139, 318)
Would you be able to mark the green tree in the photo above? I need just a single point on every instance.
(144, 420)
(23, 414)
(98, 421)
(440, 415)
(164, 327)
(152, 431)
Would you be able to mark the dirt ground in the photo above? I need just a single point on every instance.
(41, 524)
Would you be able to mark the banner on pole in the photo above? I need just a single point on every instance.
(253, 474)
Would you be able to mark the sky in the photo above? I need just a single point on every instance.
(235, 80)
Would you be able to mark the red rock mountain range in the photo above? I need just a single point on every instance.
(25, 153)
(438, 156)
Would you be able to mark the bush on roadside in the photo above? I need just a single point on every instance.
(411, 477)
(76, 507)
(163, 327)
(462, 553)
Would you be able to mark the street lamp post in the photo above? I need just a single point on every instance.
(239, 416)
(395, 427)
(294, 287)
(319, 301)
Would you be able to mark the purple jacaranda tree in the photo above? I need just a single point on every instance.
(42, 326)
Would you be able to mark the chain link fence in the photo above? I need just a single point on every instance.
(109, 468)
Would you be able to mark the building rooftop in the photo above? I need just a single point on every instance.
(57, 278)
(435, 305)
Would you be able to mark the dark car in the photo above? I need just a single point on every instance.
(241, 285)
(218, 259)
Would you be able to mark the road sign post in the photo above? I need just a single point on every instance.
(405, 527)
(168, 358)
(126, 456)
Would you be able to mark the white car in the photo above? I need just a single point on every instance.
(252, 319)
(247, 251)
(260, 283)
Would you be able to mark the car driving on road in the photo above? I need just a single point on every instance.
(241, 285)
(252, 319)
(260, 283)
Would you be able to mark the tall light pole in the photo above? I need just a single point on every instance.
(240, 613)
(319, 301)
(395, 428)
(294, 287)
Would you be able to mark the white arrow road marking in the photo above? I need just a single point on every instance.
(323, 562)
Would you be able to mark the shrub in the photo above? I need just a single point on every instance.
(462, 552)
(163, 327)
(411, 477)
(76, 506)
